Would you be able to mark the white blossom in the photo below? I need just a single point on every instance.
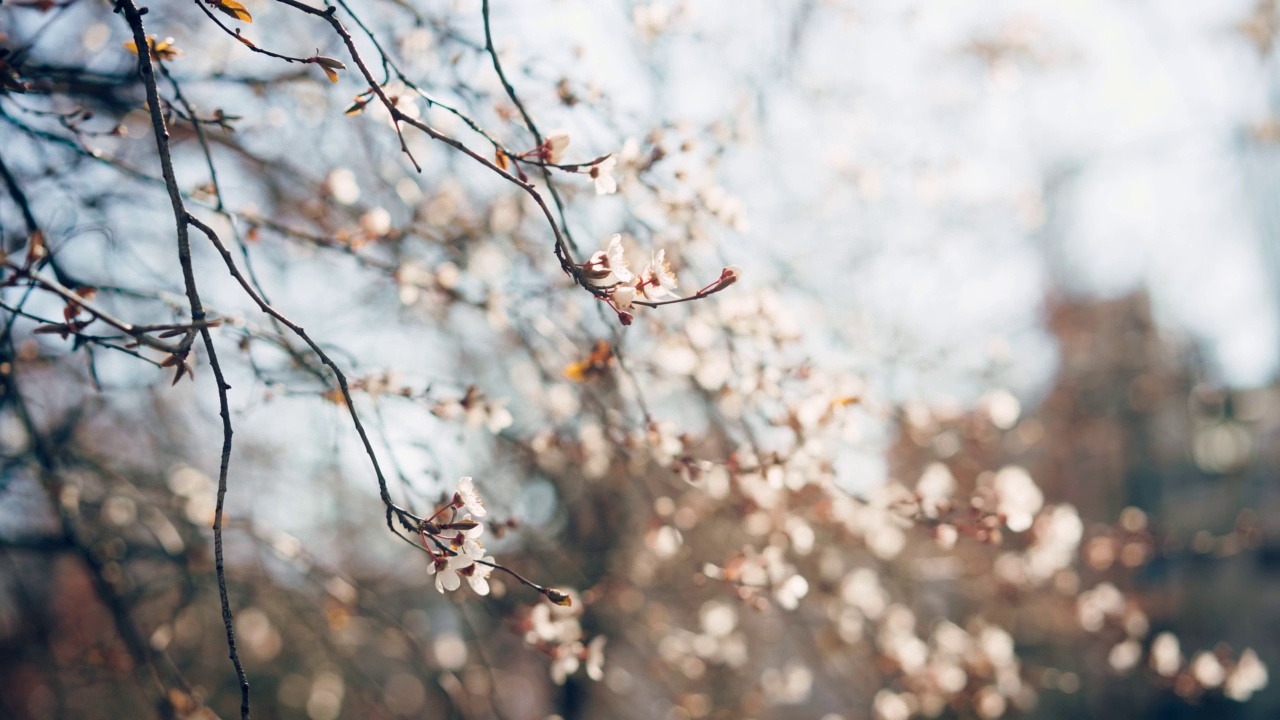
(1020, 499)
(623, 296)
(1247, 677)
(477, 575)
(602, 175)
(446, 572)
(657, 280)
(595, 657)
(565, 661)
(618, 260)
(554, 147)
(470, 499)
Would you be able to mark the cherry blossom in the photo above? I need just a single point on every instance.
(554, 147)
(446, 572)
(657, 280)
(602, 175)
(477, 575)
(565, 661)
(595, 657)
(469, 499)
(608, 267)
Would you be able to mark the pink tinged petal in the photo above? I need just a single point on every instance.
(557, 141)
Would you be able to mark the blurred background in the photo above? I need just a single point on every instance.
(987, 428)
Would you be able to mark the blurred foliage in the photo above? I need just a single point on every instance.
(271, 287)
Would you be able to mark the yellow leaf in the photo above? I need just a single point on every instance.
(163, 49)
(333, 75)
(159, 50)
(233, 8)
(577, 371)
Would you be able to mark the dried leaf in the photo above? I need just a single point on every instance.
(159, 50)
(593, 366)
(328, 62)
(36, 250)
(58, 329)
(333, 76)
(358, 106)
(163, 49)
(233, 8)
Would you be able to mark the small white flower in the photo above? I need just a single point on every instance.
(602, 174)
(470, 499)
(477, 576)
(657, 280)
(554, 147)
(467, 547)
(623, 295)
(595, 657)
(446, 572)
(565, 661)
(618, 260)
(609, 266)
(630, 152)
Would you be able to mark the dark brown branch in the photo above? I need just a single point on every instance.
(134, 18)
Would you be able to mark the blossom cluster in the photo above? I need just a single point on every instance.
(554, 629)
(456, 553)
(609, 270)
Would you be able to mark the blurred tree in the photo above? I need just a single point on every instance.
(335, 384)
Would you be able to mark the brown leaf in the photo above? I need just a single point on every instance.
(358, 106)
(328, 62)
(58, 329)
(36, 250)
(593, 366)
